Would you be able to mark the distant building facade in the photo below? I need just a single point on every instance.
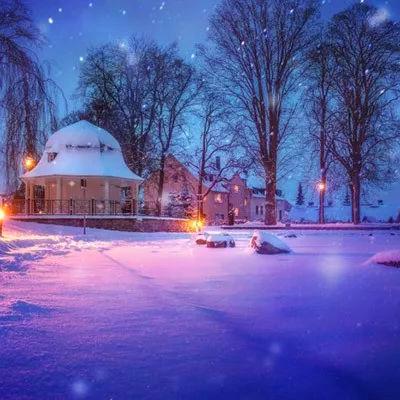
(240, 195)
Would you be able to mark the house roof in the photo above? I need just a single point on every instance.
(82, 149)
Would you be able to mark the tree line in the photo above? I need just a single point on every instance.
(271, 76)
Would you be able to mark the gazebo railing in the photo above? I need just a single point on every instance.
(73, 207)
(90, 207)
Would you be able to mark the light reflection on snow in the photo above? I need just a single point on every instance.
(80, 388)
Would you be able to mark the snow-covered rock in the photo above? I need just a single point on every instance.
(390, 258)
(266, 243)
(201, 238)
(220, 240)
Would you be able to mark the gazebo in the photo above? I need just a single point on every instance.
(82, 171)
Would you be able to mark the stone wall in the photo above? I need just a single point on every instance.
(119, 224)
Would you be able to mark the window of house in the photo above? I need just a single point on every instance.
(51, 157)
(236, 188)
(256, 210)
(236, 212)
(261, 210)
(245, 201)
(218, 198)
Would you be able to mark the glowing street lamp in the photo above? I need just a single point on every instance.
(2, 217)
(321, 186)
(29, 162)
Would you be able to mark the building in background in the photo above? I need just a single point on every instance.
(241, 195)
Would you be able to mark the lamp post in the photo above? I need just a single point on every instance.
(83, 187)
(2, 217)
(321, 186)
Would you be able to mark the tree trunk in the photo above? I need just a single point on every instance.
(160, 185)
(355, 199)
(200, 199)
(270, 196)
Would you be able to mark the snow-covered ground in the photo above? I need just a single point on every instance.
(118, 315)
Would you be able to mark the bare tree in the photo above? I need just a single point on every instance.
(318, 102)
(216, 154)
(28, 96)
(119, 85)
(177, 89)
(257, 56)
(366, 50)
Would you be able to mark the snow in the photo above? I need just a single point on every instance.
(391, 258)
(83, 149)
(154, 316)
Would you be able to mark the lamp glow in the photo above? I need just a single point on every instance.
(29, 163)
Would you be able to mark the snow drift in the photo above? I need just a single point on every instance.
(390, 258)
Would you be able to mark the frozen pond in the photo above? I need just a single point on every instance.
(153, 316)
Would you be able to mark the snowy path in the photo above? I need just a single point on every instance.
(152, 316)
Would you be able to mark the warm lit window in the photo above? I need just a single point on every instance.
(236, 212)
(236, 188)
(51, 157)
(245, 201)
(218, 198)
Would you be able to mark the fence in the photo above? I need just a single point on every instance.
(87, 207)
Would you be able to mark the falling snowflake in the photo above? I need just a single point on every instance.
(90, 4)
(50, 20)
(162, 5)
(81, 59)
(60, 10)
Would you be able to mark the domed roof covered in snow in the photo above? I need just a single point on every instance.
(82, 149)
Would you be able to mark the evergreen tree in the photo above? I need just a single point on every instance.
(346, 201)
(300, 195)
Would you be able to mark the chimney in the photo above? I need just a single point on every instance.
(218, 162)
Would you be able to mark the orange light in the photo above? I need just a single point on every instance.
(2, 214)
(29, 162)
(196, 224)
(321, 186)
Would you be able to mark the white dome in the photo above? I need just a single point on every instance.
(82, 149)
(81, 135)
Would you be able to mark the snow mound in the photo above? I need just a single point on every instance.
(220, 239)
(266, 243)
(201, 238)
(26, 308)
(5, 247)
(390, 258)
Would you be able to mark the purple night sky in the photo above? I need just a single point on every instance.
(72, 26)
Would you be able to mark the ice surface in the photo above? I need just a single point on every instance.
(154, 316)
